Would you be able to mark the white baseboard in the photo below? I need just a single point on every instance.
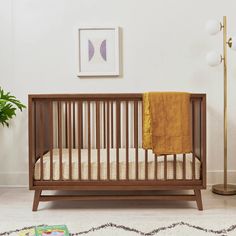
(14, 179)
(217, 177)
(20, 179)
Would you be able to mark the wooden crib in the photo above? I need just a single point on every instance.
(94, 142)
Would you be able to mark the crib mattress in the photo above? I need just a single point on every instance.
(122, 165)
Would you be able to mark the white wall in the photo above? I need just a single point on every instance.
(164, 47)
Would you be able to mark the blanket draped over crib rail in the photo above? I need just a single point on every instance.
(166, 128)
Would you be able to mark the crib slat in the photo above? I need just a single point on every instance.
(41, 131)
(79, 109)
(117, 139)
(193, 140)
(184, 166)
(136, 137)
(127, 140)
(165, 167)
(155, 166)
(146, 164)
(104, 124)
(108, 140)
(66, 124)
(146, 151)
(73, 124)
(57, 112)
(200, 127)
(98, 138)
(82, 126)
(174, 163)
(60, 138)
(70, 142)
(193, 166)
(89, 143)
(112, 133)
(51, 138)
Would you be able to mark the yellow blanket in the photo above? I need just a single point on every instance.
(166, 122)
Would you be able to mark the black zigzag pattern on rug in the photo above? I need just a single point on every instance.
(221, 232)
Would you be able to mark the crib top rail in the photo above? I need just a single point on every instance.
(99, 96)
(89, 97)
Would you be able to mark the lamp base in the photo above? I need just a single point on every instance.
(222, 189)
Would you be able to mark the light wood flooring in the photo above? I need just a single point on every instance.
(16, 205)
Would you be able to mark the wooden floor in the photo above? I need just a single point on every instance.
(16, 206)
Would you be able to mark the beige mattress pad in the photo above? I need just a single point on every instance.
(122, 165)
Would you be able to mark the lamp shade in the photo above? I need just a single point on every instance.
(213, 27)
(233, 46)
(213, 58)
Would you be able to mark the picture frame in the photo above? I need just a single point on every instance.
(99, 51)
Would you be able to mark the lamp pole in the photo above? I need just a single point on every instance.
(225, 189)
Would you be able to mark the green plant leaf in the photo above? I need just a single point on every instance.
(8, 106)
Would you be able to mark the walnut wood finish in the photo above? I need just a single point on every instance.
(198, 197)
(79, 138)
(75, 130)
(37, 198)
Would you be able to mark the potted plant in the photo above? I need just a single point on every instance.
(8, 106)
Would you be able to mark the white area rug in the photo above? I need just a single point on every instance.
(178, 228)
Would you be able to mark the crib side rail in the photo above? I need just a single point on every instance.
(199, 131)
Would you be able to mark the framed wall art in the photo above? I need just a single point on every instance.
(99, 52)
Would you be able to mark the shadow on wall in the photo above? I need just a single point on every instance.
(14, 143)
(215, 145)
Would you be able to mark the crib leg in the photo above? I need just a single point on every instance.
(198, 195)
(37, 195)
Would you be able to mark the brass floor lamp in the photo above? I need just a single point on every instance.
(213, 59)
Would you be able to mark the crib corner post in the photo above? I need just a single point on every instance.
(37, 195)
(198, 196)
